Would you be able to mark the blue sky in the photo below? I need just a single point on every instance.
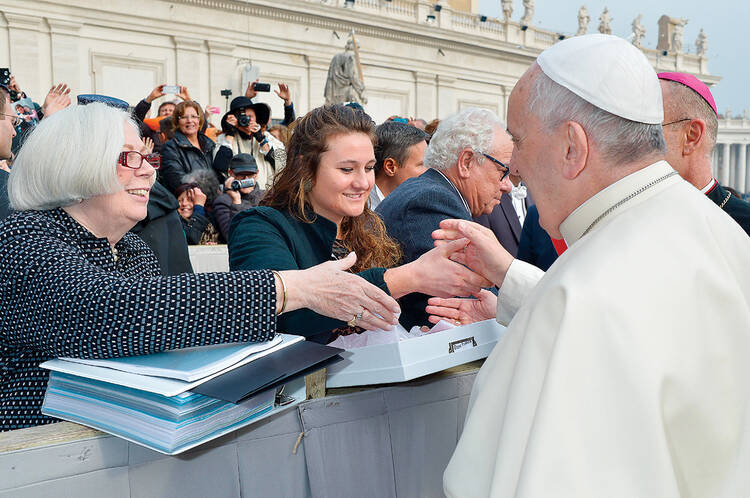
(725, 22)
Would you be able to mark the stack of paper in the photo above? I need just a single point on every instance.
(152, 400)
(168, 424)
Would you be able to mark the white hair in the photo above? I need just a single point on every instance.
(472, 127)
(69, 157)
(619, 140)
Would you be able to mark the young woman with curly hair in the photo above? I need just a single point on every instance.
(317, 209)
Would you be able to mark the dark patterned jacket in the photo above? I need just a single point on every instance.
(65, 292)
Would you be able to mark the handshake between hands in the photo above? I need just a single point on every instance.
(481, 254)
(466, 258)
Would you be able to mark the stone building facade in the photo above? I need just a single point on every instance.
(419, 58)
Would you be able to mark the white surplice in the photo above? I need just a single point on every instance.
(626, 371)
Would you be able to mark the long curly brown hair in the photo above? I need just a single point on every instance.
(364, 234)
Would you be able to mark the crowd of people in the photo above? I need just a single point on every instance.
(623, 282)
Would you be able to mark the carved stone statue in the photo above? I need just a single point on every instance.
(605, 21)
(507, 6)
(528, 12)
(677, 35)
(701, 43)
(638, 30)
(343, 83)
(583, 21)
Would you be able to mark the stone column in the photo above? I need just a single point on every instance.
(741, 169)
(317, 68)
(425, 95)
(505, 96)
(65, 47)
(23, 38)
(189, 70)
(221, 69)
(446, 96)
(724, 168)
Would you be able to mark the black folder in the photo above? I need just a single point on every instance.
(270, 371)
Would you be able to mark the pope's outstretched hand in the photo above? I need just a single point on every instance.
(483, 254)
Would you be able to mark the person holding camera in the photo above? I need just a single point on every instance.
(165, 110)
(249, 121)
(241, 192)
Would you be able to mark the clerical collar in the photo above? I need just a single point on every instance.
(626, 192)
(708, 188)
(466, 205)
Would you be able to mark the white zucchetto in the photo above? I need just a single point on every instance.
(607, 72)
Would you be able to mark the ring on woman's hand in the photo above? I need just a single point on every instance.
(353, 322)
(458, 322)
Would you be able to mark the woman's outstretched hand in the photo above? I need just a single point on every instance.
(330, 290)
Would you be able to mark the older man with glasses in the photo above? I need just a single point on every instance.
(8, 122)
(466, 177)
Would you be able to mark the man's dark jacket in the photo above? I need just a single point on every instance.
(536, 245)
(265, 238)
(162, 231)
(738, 209)
(4, 204)
(503, 221)
(410, 213)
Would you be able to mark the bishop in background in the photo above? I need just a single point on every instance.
(624, 371)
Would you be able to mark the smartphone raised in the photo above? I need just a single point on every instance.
(4, 76)
(262, 87)
(173, 89)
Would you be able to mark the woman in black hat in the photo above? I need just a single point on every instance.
(250, 121)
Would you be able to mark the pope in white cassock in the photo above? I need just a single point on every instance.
(626, 370)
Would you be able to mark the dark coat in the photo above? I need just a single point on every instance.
(224, 210)
(265, 238)
(162, 231)
(536, 246)
(410, 213)
(738, 209)
(180, 157)
(4, 205)
(503, 221)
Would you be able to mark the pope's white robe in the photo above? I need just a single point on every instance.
(626, 371)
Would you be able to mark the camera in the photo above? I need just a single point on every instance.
(243, 120)
(226, 93)
(238, 184)
(4, 76)
(262, 87)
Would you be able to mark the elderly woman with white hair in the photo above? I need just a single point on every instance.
(76, 283)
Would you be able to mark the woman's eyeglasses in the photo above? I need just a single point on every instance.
(134, 160)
